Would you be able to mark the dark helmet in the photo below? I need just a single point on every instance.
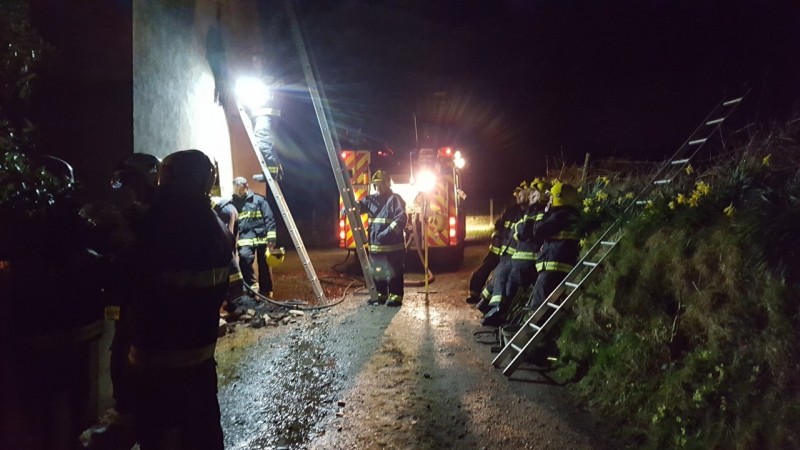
(136, 168)
(187, 171)
(56, 167)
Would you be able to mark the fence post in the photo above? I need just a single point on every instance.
(491, 210)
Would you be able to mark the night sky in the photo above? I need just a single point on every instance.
(532, 83)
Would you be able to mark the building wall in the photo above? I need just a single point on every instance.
(174, 105)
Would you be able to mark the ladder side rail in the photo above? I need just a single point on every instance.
(284, 209)
(333, 149)
(551, 299)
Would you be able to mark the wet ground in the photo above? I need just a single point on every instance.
(358, 376)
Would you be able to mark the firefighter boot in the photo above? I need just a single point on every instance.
(495, 317)
(473, 297)
(380, 301)
(395, 301)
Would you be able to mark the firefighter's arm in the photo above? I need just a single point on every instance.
(551, 224)
(400, 218)
(269, 222)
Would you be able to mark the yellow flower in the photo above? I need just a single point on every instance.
(689, 169)
(649, 205)
(587, 210)
(693, 202)
(601, 195)
(729, 211)
(629, 195)
(597, 208)
(603, 180)
(765, 161)
(580, 188)
(671, 205)
(587, 202)
(702, 187)
(582, 243)
(681, 199)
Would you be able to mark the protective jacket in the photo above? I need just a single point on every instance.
(502, 227)
(561, 240)
(178, 275)
(256, 222)
(509, 244)
(527, 245)
(388, 218)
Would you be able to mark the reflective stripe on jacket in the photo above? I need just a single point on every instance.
(527, 245)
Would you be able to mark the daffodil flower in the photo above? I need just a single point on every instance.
(729, 211)
(587, 210)
(582, 243)
(603, 179)
(650, 205)
(689, 169)
(601, 195)
(681, 199)
(671, 205)
(765, 161)
(587, 202)
(694, 201)
(629, 195)
(702, 187)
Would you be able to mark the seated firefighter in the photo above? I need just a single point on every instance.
(388, 218)
(560, 248)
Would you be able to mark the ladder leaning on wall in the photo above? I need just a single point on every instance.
(532, 333)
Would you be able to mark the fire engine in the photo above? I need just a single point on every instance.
(430, 184)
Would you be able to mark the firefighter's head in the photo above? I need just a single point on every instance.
(240, 186)
(137, 174)
(562, 194)
(381, 181)
(188, 172)
(521, 193)
(538, 191)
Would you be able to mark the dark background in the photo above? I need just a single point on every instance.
(527, 84)
(533, 83)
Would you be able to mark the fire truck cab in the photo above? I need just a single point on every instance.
(430, 183)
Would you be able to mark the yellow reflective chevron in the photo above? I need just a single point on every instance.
(553, 266)
(494, 249)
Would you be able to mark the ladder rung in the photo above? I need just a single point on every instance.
(534, 326)
(679, 161)
(590, 263)
(641, 202)
(609, 243)
(715, 121)
(515, 347)
(572, 285)
(732, 102)
(552, 305)
(664, 181)
(697, 141)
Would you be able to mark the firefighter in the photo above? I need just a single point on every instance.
(387, 213)
(135, 178)
(177, 278)
(257, 235)
(560, 249)
(492, 258)
(229, 216)
(523, 261)
(494, 296)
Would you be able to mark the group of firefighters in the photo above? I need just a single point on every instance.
(534, 242)
(170, 293)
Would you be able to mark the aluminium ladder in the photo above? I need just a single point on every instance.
(333, 148)
(534, 330)
(284, 209)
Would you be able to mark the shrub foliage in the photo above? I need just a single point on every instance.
(689, 337)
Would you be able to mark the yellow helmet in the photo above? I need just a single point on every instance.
(564, 195)
(540, 185)
(276, 256)
(523, 186)
(380, 176)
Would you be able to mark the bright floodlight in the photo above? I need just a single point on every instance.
(458, 160)
(426, 181)
(252, 92)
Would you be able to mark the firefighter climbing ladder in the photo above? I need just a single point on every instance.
(284, 209)
(332, 146)
(533, 331)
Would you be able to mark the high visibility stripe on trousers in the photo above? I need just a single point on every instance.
(553, 266)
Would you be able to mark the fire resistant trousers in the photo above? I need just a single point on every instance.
(247, 255)
(387, 271)
(481, 274)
